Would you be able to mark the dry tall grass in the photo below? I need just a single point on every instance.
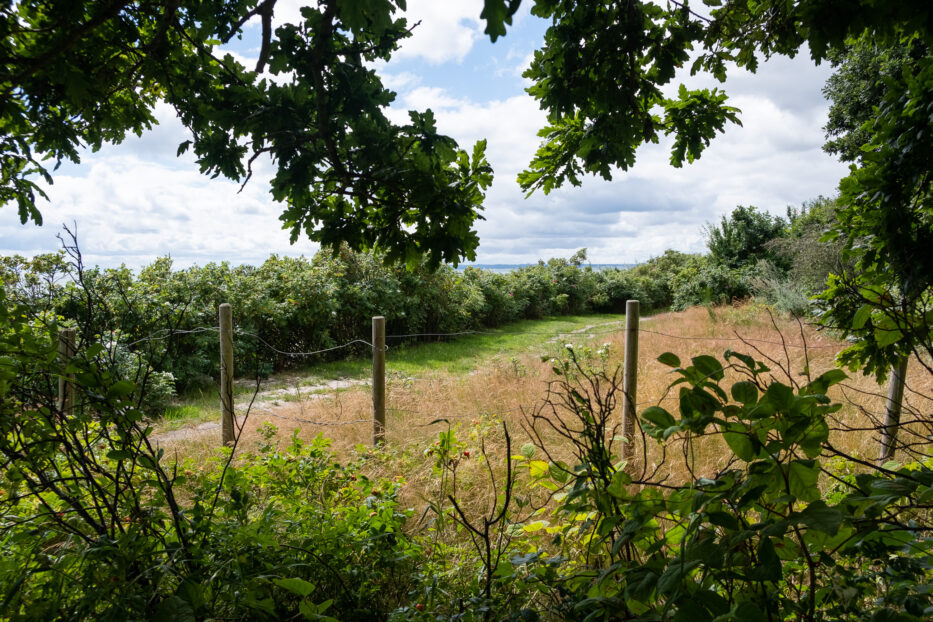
(500, 392)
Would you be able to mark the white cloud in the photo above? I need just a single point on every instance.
(130, 210)
(398, 81)
(773, 160)
(447, 30)
(136, 201)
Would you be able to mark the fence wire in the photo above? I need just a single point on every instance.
(588, 332)
(168, 333)
(298, 354)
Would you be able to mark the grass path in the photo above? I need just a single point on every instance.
(409, 359)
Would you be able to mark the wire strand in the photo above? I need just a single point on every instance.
(284, 353)
(167, 333)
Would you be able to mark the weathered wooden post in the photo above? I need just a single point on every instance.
(379, 380)
(66, 389)
(630, 380)
(226, 374)
(892, 418)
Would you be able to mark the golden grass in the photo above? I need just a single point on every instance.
(500, 391)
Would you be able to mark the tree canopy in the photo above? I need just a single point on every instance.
(742, 238)
(78, 73)
(880, 118)
(82, 72)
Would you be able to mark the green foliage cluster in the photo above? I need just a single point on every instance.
(89, 72)
(741, 239)
(883, 303)
(97, 523)
(157, 322)
(781, 261)
(792, 528)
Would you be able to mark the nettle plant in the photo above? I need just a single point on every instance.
(790, 528)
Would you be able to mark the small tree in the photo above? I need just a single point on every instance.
(742, 238)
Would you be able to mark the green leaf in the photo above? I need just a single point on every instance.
(802, 477)
(537, 468)
(861, 316)
(769, 566)
(833, 376)
(121, 389)
(620, 479)
(296, 586)
(812, 441)
(741, 444)
(174, 609)
(748, 612)
(745, 392)
(658, 416)
(887, 336)
(670, 359)
(821, 517)
(708, 366)
(147, 462)
(670, 582)
(780, 396)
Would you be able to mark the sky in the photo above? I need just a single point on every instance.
(136, 201)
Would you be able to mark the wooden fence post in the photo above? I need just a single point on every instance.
(630, 380)
(379, 380)
(892, 417)
(226, 374)
(66, 389)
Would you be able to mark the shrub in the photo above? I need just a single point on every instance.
(705, 282)
(742, 238)
(98, 526)
(783, 293)
(777, 534)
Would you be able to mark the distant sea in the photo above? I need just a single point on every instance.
(508, 267)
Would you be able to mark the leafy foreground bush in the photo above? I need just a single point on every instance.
(97, 524)
(792, 528)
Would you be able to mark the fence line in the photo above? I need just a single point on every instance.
(631, 332)
(167, 333)
(171, 332)
(297, 354)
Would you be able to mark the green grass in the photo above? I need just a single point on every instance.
(463, 354)
(188, 412)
